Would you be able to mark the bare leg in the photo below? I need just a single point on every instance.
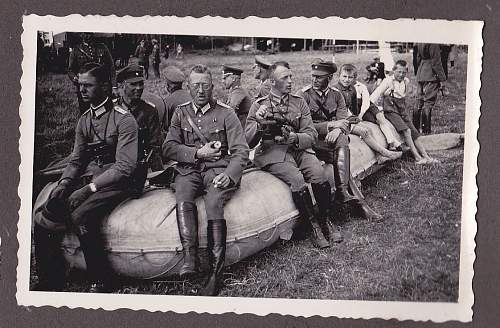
(413, 149)
(386, 130)
(368, 138)
(421, 149)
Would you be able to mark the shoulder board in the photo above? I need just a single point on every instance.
(304, 89)
(223, 105)
(120, 110)
(262, 98)
(296, 95)
(149, 103)
(334, 88)
(184, 104)
(86, 112)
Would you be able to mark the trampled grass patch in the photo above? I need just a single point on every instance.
(412, 256)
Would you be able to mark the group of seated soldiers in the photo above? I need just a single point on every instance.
(118, 139)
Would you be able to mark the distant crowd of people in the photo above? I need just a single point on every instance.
(120, 136)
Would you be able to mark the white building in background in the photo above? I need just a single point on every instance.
(385, 54)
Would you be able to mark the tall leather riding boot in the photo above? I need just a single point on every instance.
(426, 120)
(49, 260)
(98, 267)
(322, 194)
(417, 115)
(216, 246)
(362, 207)
(303, 202)
(342, 174)
(187, 223)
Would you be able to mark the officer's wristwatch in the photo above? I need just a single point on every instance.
(93, 187)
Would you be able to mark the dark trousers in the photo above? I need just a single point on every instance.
(145, 64)
(299, 166)
(427, 93)
(189, 186)
(156, 69)
(86, 221)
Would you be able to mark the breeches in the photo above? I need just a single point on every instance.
(427, 93)
(298, 167)
(325, 151)
(90, 213)
(189, 186)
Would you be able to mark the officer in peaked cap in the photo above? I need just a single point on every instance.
(261, 73)
(322, 67)
(237, 98)
(329, 114)
(207, 142)
(131, 86)
(177, 95)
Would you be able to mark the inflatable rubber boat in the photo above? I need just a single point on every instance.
(141, 234)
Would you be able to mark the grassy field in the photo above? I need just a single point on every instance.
(412, 256)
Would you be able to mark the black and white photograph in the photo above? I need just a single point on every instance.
(314, 172)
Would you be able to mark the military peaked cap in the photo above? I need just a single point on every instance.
(262, 62)
(226, 70)
(131, 73)
(174, 74)
(323, 67)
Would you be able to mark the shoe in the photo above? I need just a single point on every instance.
(367, 213)
(333, 232)
(322, 194)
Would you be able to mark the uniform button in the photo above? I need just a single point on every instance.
(199, 127)
(199, 120)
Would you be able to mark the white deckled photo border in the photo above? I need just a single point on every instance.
(439, 31)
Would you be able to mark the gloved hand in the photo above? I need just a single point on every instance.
(79, 196)
(61, 191)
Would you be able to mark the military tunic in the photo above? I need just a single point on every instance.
(325, 107)
(113, 175)
(216, 122)
(430, 74)
(239, 99)
(142, 54)
(83, 54)
(146, 116)
(176, 98)
(262, 89)
(294, 164)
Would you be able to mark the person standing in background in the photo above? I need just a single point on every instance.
(142, 54)
(237, 98)
(88, 51)
(430, 74)
(156, 58)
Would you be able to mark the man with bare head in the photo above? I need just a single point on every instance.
(282, 123)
